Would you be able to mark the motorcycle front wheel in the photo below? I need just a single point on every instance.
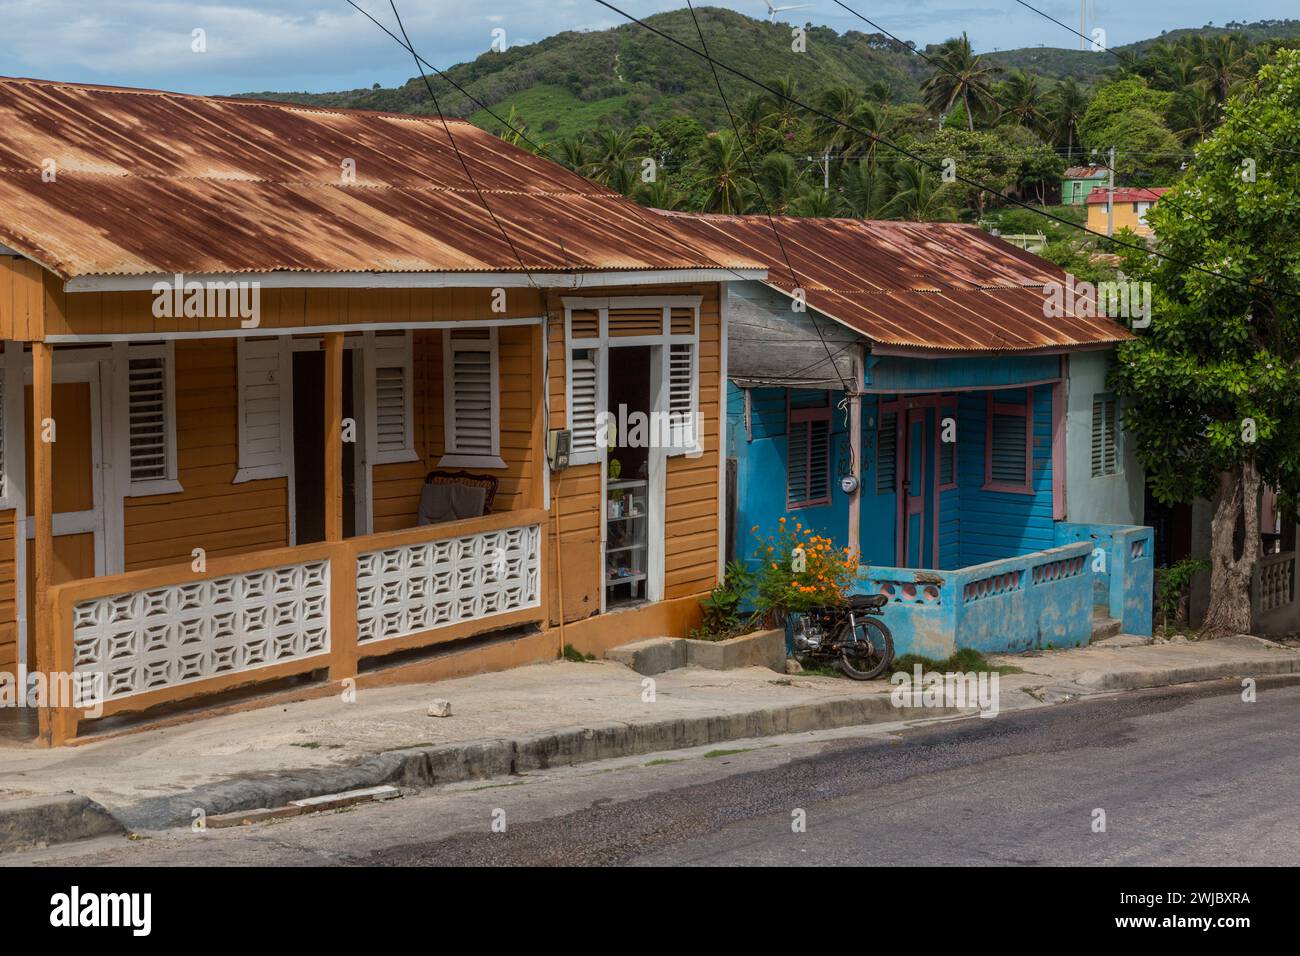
(867, 648)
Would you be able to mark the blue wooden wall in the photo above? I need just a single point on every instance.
(974, 525)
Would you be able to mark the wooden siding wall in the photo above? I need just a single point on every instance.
(221, 517)
(22, 292)
(691, 513)
(132, 312)
(8, 592)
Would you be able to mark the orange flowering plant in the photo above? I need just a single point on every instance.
(799, 570)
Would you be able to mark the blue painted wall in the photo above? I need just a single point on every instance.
(974, 525)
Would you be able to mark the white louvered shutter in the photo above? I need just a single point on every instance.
(264, 384)
(470, 396)
(394, 428)
(682, 400)
(1105, 457)
(147, 419)
(584, 400)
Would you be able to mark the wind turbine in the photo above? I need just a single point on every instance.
(773, 11)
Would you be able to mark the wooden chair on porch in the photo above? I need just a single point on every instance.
(455, 495)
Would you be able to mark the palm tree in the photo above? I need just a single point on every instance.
(659, 194)
(1065, 108)
(776, 184)
(1195, 113)
(1021, 98)
(879, 91)
(815, 202)
(1222, 60)
(920, 196)
(839, 104)
(867, 190)
(961, 75)
(751, 117)
(571, 152)
(782, 114)
(611, 155)
(721, 165)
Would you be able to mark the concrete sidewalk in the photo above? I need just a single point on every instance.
(512, 722)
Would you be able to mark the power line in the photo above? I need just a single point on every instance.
(744, 151)
(1143, 248)
(456, 149)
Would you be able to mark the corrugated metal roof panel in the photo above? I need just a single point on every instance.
(938, 286)
(150, 182)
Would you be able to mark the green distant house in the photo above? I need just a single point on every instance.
(1078, 181)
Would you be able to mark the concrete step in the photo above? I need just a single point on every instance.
(1104, 627)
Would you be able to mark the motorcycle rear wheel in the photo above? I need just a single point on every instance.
(870, 661)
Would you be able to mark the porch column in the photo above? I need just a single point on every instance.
(855, 451)
(333, 436)
(42, 509)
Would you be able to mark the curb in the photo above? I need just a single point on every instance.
(483, 759)
(1191, 673)
(39, 821)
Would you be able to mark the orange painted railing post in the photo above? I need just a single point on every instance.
(42, 497)
(343, 612)
(334, 436)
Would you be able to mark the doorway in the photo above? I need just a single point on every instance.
(79, 519)
(309, 446)
(628, 509)
(918, 504)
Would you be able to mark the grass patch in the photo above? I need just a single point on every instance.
(965, 661)
(663, 760)
(568, 115)
(728, 753)
(571, 653)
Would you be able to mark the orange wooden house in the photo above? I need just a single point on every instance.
(286, 393)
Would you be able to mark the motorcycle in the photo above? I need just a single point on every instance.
(848, 634)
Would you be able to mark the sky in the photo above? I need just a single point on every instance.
(323, 45)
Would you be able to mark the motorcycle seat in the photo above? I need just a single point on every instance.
(868, 600)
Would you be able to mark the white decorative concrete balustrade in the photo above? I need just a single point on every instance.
(182, 633)
(417, 587)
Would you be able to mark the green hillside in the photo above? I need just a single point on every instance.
(572, 82)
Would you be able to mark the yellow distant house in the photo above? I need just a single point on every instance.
(1131, 207)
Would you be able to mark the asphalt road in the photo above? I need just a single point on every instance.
(1189, 775)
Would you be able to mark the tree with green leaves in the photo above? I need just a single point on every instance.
(1213, 385)
(961, 76)
(1021, 99)
(722, 176)
(1064, 109)
(920, 194)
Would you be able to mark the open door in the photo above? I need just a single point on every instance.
(918, 483)
(78, 504)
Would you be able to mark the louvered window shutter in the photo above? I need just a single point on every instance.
(887, 454)
(808, 462)
(470, 394)
(264, 385)
(1105, 427)
(392, 384)
(584, 400)
(149, 403)
(147, 418)
(1007, 461)
(683, 404)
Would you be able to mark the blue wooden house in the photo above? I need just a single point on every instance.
(902, 388)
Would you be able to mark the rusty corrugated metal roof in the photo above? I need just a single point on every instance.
(1128, 194)
(1084, 172)
(922, 285)
(149, 182)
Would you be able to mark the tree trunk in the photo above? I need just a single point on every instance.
(1238, 499)
(970, 117)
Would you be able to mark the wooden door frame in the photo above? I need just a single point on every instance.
(363, 467)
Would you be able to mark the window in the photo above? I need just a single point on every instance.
(1009, 445)
(149, 404)
(390, 387)
(593, 326)
(1105, 429)
(947, 449)
(1142, 208)
(887, 454)
(808, 462)
(471, 413)
(265, 409)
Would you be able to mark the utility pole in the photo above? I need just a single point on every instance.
(1083, 24)
(826, 170)
(1110, 197)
